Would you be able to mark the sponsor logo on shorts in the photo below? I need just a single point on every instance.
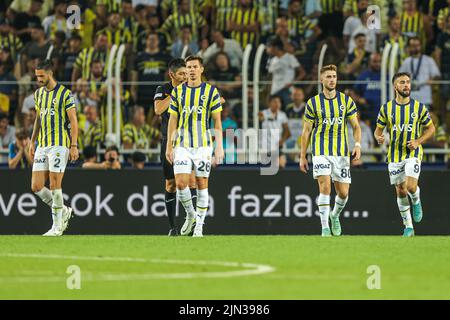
(42, 160)
(322, 166)
(181, 163)
(395, 172)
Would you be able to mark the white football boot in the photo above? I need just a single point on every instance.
(187, 226)
(56, 229)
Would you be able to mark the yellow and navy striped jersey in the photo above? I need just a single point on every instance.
(112, 6)
(299, 25)
(413, 26)
(442, 17)
(351, 6)
(402, 45)
(117, 37)
(85, 58)
(93, 136)
(404, 123)
(172, 5)
(245, 17)
(52, 107)
(194, 106)
(11, 42)
(223, 10)
(141, 138)
(331, 6)
(329, 118)
(177, 20)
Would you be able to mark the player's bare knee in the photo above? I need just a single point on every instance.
(343, 194)
(181, 185)
(411, 188)
(36, 187)
(402, 191)
(171, 186)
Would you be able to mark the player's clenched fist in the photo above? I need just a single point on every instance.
(73, 153)
(380, 139)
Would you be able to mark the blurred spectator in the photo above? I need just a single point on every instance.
(89, 23)
(443, 16)
(8, 91)
(311, 88)
(128, 22)
(138, 160)
(57, 21)
(294, 113)
(82, 66)
(282, 32)
(358, 59)
(185, 16)
(222, 71)
(29, 119)
(92, 133)
(275, 124)
(423, 69)
(8, 39)
(442, 57)
(115, 33)
(7, 134)
(367, 141)
(184, 45)
(415, 24)
(220, 14)
(137, 134)
(149, 5)
(150, 65)
(142, 26)
(96, 81)
(331, 22)
(81, 94)
(354, 22)
(367, 95)
(169, 7)
(111, 159)
(284, 68)
(312, 10)
(204, 44)
(229, 125)
(245, 23)
(21, 6)
(69, 56)
(26, 21)
(439, 140)
(25, 84)
(104, 10)
(372, 35)
(38, 48)
(395, 36)
(18, 155)
(230, 46)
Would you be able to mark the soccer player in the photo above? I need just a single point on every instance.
(325, 121)
(409, 125)
(189, 144)
(177, 74)
(55, 130)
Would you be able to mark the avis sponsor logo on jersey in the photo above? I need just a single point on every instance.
(332, 121)
(403, 127)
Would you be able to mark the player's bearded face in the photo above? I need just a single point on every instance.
(403, 88)
(180, 76)
(42, 78)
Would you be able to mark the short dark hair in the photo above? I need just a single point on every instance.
(176, 64)
(400, 74)
(112, 148)
(358, 35)
(89, 152)
(413, 38)
(138, 156)
(276, 42)
(193, 58)
(45, 65)
(21, 134)
(273, 97)
(3, 116)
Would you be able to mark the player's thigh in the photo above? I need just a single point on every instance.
(397, 173)
(412, 169)
(202, 162)
(182, 162)
(340, 169)
(41, 162)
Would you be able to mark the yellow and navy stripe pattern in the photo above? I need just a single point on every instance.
(331, 6)
(329, 118)
(413, 26)
(11, 42)
(117, 37)
(194, 106)
(85, 58)
(351, 6)
(52, 107)
(404, 123)
(142, 137)
(243, 18)
(223, 10)
(177, 20)
(112, 6)
(442, 17)
(172, 5)
(93, 135)
(299, 25)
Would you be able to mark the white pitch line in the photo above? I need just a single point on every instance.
(251, 269)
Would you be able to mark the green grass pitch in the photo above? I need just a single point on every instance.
(277, 267)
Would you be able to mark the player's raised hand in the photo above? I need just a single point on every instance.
(304, 165)
(73, 154)
(413, 144)
(380, 139)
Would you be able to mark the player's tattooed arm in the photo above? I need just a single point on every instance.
(428, 132)
(218, 152)
(356, 153)
(171, 131)
(36, 128)
(72, 114)
(306, 134)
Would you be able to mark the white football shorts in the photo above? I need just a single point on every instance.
(398, 171)
(197, 159)
(53, 159)
(336, 167)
